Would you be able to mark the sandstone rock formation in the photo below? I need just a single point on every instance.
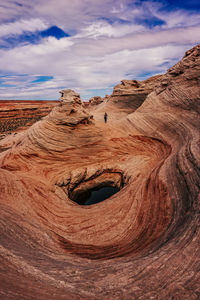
(95, 100)
(143, 242)
(130, 94)
(126, 97)
(69, 96)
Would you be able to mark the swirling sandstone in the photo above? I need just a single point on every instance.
(143, 242)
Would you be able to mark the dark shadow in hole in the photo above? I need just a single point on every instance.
(95, 195)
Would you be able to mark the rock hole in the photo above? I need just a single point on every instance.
(94, 196)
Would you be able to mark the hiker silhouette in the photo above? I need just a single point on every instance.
(105, 117)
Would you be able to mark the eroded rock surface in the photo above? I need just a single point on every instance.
(143, 242)
(95, 100)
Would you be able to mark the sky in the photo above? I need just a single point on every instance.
(90, 45)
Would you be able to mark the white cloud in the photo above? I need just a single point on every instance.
(173, 19)
(148, 39)
(94, 72)
(102, 28)
(77, 13)
(32, 58)
(107, 44)
(21, 26)
(15, 10)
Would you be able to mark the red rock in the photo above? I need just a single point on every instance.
(16, 115)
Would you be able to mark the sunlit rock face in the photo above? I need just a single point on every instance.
(141, 243)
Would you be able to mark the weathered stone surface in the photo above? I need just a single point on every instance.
(143, 242)
(69, 96)
(95, 100)
(130, 94)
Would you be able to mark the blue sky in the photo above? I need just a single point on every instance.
(90, 45)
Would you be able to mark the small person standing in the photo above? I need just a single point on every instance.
(105, 117)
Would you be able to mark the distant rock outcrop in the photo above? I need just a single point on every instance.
(19, 115)
(95, 100)
(130, 94)
(143, 242)
(69, 96)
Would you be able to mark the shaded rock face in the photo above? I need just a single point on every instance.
(130, 94)
(143, 242)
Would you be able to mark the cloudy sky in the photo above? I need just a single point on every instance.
(90, 45)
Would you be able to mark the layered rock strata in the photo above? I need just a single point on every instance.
(130, 94)
(143, 242)
(17, 115)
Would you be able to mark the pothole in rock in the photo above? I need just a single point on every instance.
(97, 189)
(94, 196)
